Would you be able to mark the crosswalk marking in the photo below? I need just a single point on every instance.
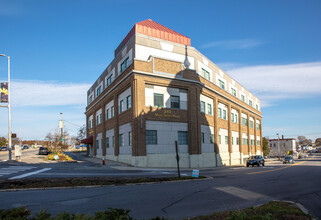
(29, 174)
(14, 169)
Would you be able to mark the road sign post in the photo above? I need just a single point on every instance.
(177, 159)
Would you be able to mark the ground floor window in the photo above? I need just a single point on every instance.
(151, 137)
(121, 140)
(183, 137)
(107, 142)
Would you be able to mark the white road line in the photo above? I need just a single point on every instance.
(29, 174)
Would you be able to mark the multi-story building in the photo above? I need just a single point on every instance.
(282, 146)
(158, 90)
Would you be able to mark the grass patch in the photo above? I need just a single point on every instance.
(82, 181)
(271, 210)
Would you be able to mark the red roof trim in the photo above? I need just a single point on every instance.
(154, 29)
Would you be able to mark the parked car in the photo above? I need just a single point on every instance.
(43, 151)
(288, 159)
(24, 147)
(4, 148)
(255, 160)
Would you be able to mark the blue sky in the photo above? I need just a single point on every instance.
(59, 48)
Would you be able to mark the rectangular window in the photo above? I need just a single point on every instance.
(257, 126)
(219, 137)
(224, 114)
(212, 139)
(100, 118)
(124, 64)
(158, 100)
(237, 141)
(151, 137)
(232, 141)
(221, 84)
(244, 141)
(121, 106)
(203, 139)
(250, 103)
(130, 138)
(107, 114)
(129, 101)
(205, 74)
(175, 101)
(90, 99)
(226, 139)
(109, 80)
(209, 109)
(252, 142)
(233, 91)
(98, 91)
(113, 141)
(121, 140)
(112, 111)
(232, 117)
(97, 119)
(244, 121)
(219, 112)
(243, 98)
(97, 144)
(107, 142)
(251, 124)
(183, 137)
(235, 119)
(258, 142)
(202, 107)
(257, 107)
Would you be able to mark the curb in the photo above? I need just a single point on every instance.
(93, 186)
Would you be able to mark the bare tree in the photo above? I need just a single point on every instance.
(56, 142)
(81, 134)
(302, 140)
(318, 142)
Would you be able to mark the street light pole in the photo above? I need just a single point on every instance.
(62, 128)
(9, 108)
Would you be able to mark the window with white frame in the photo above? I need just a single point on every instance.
(233, 91)
(221, 84)
(124, 64)
(251, 103)
(158, 100)
(206, 74)
(98, 91)
(129, 102)
(244, 121)
(202, 107)
(209, 109)
(175, 101)
(121, 106)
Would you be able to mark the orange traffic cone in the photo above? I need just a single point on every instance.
(104, 161)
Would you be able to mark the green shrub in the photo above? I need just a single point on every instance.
(19, 213)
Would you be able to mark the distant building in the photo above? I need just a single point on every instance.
(158, 90)
(287, 145)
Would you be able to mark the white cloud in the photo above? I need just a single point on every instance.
(39, 93)
(276, 82)
(234, 44)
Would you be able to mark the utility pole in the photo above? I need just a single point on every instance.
(9, 108)
(279, 145)
(61, 126)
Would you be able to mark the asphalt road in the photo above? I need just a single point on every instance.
(229, 188)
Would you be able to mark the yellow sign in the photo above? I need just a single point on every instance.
(91, 131)
(4, 91)
(167, 114)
